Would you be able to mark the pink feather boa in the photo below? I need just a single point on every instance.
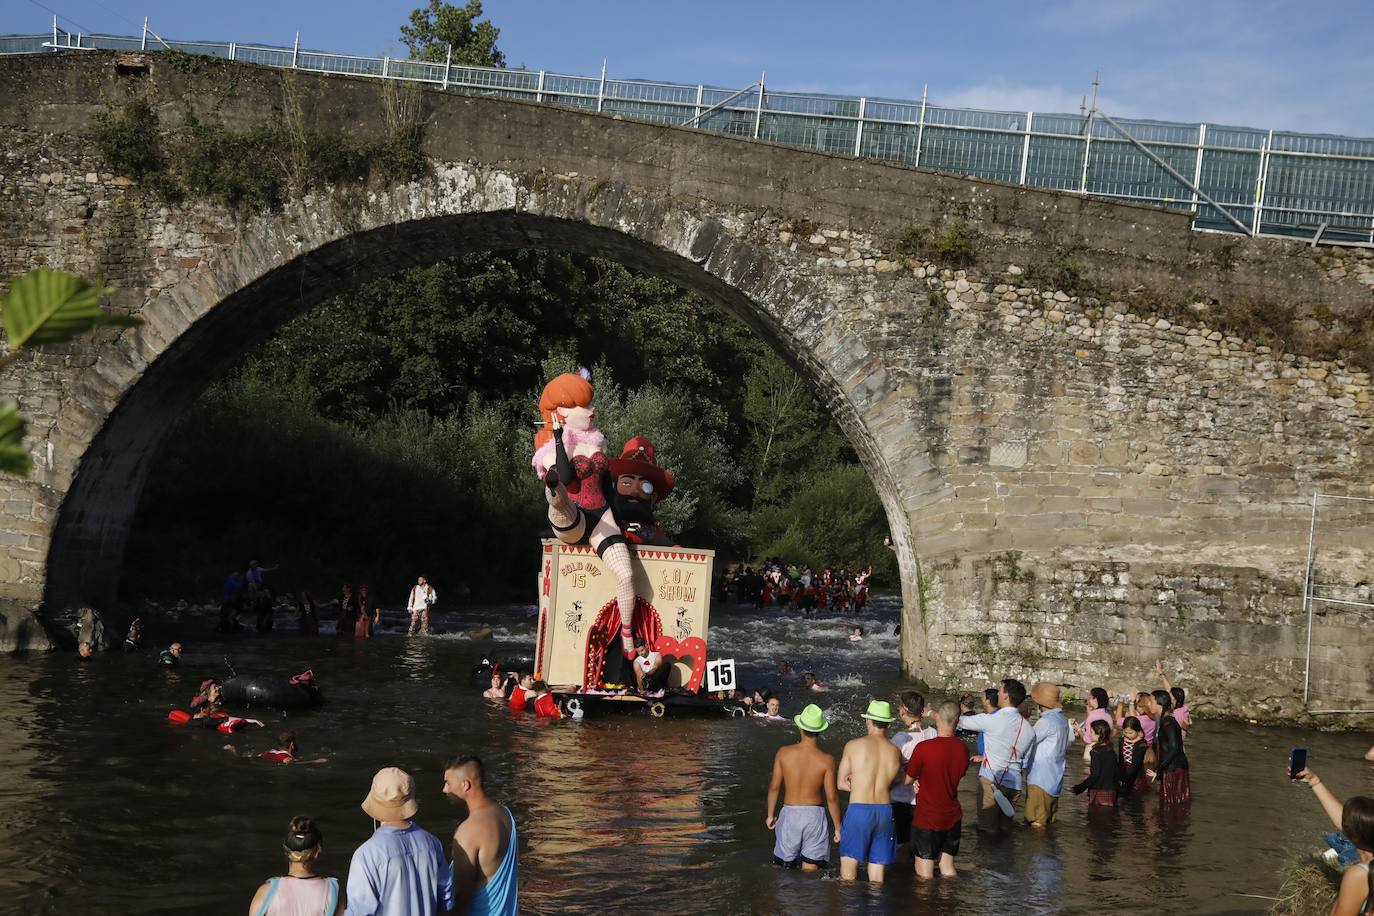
(544, 456)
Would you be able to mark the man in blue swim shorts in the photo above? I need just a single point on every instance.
(802, 834)
(867, 769)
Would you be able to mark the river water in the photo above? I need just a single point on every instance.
(105, 808)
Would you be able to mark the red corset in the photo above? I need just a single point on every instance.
(590, 472)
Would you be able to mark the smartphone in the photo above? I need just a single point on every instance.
(1297, 762)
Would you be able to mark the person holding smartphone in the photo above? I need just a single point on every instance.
(1355, 819)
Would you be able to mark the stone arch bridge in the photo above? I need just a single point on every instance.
(1075, 485)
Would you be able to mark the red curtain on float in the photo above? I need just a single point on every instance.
(605, 634)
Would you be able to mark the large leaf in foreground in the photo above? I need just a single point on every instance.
(14, 458)
(49, 306)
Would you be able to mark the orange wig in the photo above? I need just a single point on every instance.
(566, 390)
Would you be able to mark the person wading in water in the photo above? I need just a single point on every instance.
(867, 770)
(807, 772)
(486, 859)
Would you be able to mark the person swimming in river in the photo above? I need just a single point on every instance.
(570, 458)
(286, 751)
(133, 642)
(207, 711)
(170, 657)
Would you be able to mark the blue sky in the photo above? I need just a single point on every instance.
(1258, 63)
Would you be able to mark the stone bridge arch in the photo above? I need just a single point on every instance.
(1092, 465)
(279, 265)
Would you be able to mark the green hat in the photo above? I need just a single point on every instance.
(880, 711)
(812, 719)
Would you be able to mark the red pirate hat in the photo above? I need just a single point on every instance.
(637, 459)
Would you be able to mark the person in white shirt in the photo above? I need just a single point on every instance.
(911, 710)
(650, 673)
(1007, 742)
(422, 597)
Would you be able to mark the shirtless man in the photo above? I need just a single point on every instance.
(486, 860)
(807, 772)
(867, 769)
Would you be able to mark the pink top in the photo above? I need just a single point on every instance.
(1147, 726)
(1182, 714)
(1097, 715)
(287, 896)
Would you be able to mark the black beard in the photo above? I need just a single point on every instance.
(630, 510)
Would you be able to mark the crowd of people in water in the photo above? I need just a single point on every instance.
(902, 776)
(774, 584)
(904, 805)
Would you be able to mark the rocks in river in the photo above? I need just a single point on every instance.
(479, 633)
(21, 630)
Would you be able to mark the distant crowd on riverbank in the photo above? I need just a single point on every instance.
(801, 587)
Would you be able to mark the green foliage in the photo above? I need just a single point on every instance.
(255, 169)
(910, 242)
(435, 28)
(127, 138)
(14, 457)
(956, 245)
(49, 306)
(790, 433)
(182, 61)
(44, 307)
(832, 517)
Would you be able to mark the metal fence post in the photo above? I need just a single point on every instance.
(859, 132)
(758, 109)
(1025, 146)
(296, 50)
(1261, 178)
(696, 115)
(1197, 167)
(1087, 150)
(601, 87)
(539, 88)
(233, 50)
(920, 128)
(448, 64)
(1307, 601)
(386, 65)
(143, 45)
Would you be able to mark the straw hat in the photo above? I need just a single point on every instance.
(880, 711)
(812, 719)
(392, 796)
(1046, 694)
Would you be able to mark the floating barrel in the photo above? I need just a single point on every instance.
(265, 690)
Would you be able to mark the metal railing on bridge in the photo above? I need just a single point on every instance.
(1316, 187)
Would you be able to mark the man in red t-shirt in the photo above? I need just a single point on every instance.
(545, 704)
(936, 766)
(521, 694)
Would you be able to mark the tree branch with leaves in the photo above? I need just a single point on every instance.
(44, 307)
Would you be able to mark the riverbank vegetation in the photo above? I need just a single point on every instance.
(389, 431)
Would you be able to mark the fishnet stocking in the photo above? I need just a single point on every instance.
(617, 559)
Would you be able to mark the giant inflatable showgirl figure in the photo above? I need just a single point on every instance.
(570, 457)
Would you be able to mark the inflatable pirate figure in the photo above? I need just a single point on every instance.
(639, 484)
